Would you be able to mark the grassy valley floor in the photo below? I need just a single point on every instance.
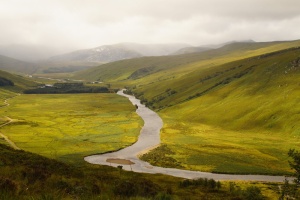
(206, 148)
(70, 126)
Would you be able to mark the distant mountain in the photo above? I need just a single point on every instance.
(145, 66)
(16, 66)
(107, 53)
(110, 53)
(154, 49)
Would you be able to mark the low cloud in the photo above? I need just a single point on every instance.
(85, 24)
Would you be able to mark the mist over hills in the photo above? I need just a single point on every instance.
(29, 53)
(110, 53)
(87, 58)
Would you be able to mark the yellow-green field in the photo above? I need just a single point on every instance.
(206, 148)
(71, 126)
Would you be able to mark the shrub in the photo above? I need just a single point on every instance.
(252, 193)
(136, 187)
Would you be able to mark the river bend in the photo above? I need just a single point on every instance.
(149, 138)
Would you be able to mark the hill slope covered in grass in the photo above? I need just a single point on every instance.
(10, 84)
(243, 120)
(16, 66)
(232, 110)
(137, 71)
(19, 82)
(13, 84)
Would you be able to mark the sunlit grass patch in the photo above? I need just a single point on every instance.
(213, 149)
(80, 124)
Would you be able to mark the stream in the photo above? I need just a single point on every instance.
(150, 138)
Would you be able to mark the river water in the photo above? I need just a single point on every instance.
(149, 138)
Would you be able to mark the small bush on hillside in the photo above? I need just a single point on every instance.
(250, 193)
(8, 186)
(253, 193)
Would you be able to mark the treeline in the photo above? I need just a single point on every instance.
(6, 82)
(67, 88)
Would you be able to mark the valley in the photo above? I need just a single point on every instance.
(231, 110)
(67, 127)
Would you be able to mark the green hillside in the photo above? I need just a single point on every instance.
(16, 66)
(230, 110)
(133, 70)
(10, 85)
(19, 82)
(243, 120)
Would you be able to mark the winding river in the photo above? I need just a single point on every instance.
(149, 138)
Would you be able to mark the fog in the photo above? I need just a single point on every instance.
(64, 25)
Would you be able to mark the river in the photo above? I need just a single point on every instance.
(149, 138)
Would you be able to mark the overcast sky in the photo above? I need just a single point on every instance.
(90, 23)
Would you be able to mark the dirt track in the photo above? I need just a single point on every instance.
(9, 120)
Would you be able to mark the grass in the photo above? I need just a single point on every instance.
(69, 127)
(20, 82)
(246, 125)
(230, 110)
(26, 175)
(205, 148)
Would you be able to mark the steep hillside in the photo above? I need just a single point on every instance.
(16, 66)
(242, 117)
(257, 93)
(137, 71)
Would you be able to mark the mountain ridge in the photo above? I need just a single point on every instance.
(121, 51)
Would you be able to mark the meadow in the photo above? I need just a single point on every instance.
(70, 126)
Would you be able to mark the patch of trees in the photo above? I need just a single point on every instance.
(210, 184)
(6, 82)
(65, 88)
(250, 193)
(142, 72)
(291, 190)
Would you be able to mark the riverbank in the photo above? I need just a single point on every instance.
(149, 138)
